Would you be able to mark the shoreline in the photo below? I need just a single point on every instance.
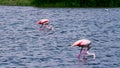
(61, 4)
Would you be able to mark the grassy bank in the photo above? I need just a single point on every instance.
(62, 3)
(16, 2)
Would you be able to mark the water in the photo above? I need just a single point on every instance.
(22, 45)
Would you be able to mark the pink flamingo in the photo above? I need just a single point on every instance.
(84, 43)
(44, 22)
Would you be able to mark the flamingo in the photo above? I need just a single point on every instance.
(84, 43)
(44, 22)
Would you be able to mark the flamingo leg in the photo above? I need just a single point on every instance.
(84, 53)
(80, 52)
(41, 27)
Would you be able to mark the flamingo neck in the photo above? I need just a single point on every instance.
(49, 27)
(91, 54)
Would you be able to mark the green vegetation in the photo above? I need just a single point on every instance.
(16, 2)
(63, 3)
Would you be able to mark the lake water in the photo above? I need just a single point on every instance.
(22, 45)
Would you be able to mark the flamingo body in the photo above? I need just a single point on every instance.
(82, 42)
(43, 21)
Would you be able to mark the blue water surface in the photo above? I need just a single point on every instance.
(22, 45)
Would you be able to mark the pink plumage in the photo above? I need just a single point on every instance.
(82, 42)
(43, 21)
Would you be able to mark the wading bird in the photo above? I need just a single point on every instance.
(84, 43)
(44, 23)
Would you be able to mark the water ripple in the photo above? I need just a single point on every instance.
(22, 45)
